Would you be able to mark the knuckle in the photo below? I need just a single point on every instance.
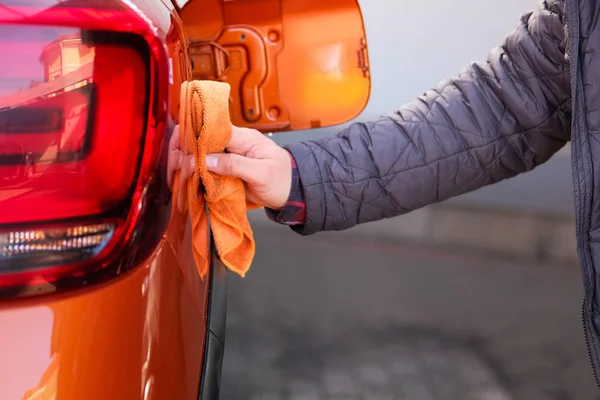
(236, 162)
(229, 164)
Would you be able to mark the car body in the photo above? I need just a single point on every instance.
(99, 294)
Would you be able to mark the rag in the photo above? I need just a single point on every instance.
(205, 128)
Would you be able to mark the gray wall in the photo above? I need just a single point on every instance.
(415, 44)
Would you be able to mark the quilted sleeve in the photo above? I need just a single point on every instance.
(491, 122)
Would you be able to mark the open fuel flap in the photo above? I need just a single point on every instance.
(292, 64)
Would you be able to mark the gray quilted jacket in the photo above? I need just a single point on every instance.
(539, 89)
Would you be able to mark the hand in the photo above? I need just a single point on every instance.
(177, 160)
(265, 168)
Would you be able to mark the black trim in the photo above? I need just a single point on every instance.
(214, 350)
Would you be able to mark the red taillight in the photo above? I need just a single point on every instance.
(70, 124)
(81, 122)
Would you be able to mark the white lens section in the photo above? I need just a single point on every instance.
(86, 239)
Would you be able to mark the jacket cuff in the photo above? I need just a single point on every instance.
(294, 210)
(314, 194)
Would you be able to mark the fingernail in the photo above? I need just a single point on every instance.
(179, 160)
(211, 161)
(192, 163)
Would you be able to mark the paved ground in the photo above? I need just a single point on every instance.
(330, 318)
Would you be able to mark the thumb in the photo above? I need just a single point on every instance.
(229, 164)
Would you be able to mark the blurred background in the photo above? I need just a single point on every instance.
(475, 298)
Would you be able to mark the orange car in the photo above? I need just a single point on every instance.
(99, 294)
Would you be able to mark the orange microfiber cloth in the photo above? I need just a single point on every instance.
(205, 128)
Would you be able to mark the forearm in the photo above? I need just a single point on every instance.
(494, 121)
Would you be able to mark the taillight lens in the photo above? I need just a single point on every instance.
(71, 119)
(75, 105)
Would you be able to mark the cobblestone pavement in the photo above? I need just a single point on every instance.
(332, 319)
(280, 364)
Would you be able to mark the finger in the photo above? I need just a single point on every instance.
(252, 200)
(175, 157)
(243, 140)
(247, 169)
(187, 170)
(174, 142)
(187, 167)
(173, 164)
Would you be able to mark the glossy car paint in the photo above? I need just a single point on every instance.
(144, 334)
(292, 64)
(139, 337)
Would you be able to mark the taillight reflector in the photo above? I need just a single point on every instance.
(72, 243)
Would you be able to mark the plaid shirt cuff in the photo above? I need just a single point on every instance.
(294, 211)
